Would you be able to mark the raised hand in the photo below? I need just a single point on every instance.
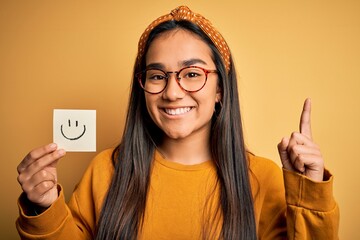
(299, 153)
(38, 175)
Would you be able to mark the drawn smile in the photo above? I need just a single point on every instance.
(73, 138)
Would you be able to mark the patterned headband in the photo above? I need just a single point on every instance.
(184, 13)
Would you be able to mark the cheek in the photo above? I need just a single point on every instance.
(210, 95)
(150, 105)
(207, 104)
(209, 107)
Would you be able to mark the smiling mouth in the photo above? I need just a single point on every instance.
(177, 111)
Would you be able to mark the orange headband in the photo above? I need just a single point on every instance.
(184, 13)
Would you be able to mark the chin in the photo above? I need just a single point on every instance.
(177, 135)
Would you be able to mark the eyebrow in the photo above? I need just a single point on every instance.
(192, 61)
(184, 63)
(155, 65)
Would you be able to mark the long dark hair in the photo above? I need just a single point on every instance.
(123, 209)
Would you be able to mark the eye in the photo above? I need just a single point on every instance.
(192, 75)
(155, 75)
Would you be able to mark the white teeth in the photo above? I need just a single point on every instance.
(177, 111)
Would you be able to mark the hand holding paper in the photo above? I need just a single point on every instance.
(74, 130)
(38, 175)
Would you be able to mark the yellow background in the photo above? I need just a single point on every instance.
(79, 55)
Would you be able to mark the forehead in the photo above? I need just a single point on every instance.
(178, 45)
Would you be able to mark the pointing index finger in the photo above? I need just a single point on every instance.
(305, 120)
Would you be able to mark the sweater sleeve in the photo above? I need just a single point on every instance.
(291, 206)
(56, 222)
(312, 212)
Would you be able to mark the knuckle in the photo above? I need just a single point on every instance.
(26, 188)
(19, 168)
(283, 144)
(43, 174)
(32, 155)
(37, 165)
(295, 148)
(45, 185)
(300, 158)
(294, 134)
(31, 197)
(36, 153)
(20, 179)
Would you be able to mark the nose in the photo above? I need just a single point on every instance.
(173, 91)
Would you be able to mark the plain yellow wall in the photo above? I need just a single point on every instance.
(72, 54)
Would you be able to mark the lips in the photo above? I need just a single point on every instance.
(177, 111)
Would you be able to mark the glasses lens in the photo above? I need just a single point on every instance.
(154, 81)
(192, 78)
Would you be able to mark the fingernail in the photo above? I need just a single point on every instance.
(53, 146)
(61, 152)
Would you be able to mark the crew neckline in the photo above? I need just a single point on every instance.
(182, 167)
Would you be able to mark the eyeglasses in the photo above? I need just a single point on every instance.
(190, 79)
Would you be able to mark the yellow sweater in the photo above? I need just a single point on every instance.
(176, 200)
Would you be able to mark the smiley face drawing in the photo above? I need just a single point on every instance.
(76, 134)
(74, 130)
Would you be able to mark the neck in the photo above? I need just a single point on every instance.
(188, 151)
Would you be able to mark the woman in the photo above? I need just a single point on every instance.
(181, 170)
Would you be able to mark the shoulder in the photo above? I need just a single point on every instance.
(103, 160)
(261, 164)
(88, 196)
(267, 185)
(263, 171)
(100, 169)
(96, 178)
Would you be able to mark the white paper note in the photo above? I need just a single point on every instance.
(75, 130)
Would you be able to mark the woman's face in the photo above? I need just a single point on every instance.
(180, 114)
